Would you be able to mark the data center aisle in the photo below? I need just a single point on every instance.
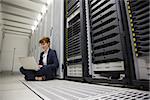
(12, 89)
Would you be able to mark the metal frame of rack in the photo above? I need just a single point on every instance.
(75, 41)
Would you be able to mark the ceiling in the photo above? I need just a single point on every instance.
(22, 16)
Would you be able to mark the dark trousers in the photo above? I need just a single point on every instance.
(31, 74)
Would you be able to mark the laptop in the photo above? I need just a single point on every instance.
(28, 63)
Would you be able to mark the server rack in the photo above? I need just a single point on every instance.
(138, 18)
(107, 41)
(75, 41)
(112, 60)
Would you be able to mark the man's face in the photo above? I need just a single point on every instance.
(44, 46)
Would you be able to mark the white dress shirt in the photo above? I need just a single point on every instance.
(45, 57)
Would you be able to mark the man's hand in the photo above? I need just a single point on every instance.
(40, 66)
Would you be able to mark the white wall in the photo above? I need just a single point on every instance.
(14, 46)
(1, 36)
(43, 29)
(57, 33)
(0, 27)
(0, 31)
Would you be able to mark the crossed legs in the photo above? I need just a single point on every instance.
(32, 75)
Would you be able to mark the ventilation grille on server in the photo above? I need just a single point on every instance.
(73, 5)
(73, 39)
(105, 31)
(139, 18)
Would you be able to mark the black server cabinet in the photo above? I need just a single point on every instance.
(111, 49)
(75, 40)
(139, 26)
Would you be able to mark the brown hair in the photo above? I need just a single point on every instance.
(44, 40)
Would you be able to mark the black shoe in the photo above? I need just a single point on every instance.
(22, 70)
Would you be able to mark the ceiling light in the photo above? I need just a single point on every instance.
(44, 8)
(32, 28)
(35, 23)
(39, 17)
(49, 2)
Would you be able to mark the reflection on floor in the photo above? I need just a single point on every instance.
(14, 87)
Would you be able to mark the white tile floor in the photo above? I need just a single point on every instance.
(12, 89)
(69, 90)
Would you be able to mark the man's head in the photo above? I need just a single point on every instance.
(45, 43)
